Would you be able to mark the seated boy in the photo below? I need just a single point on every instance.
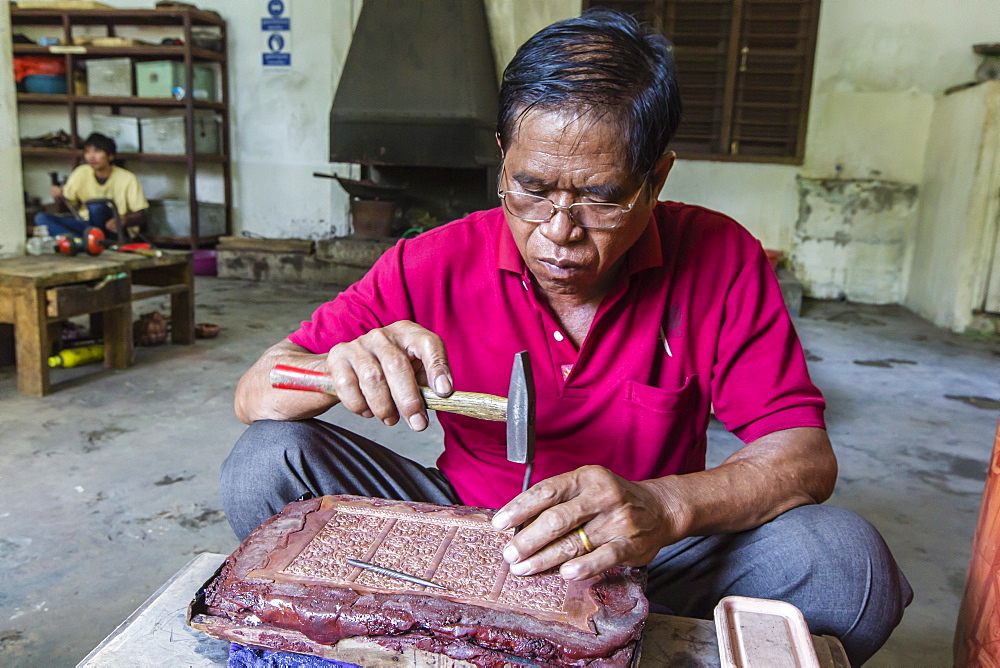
(98, 179)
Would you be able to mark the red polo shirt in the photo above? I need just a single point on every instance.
(628, 399)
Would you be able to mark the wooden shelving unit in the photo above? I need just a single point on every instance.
(184, 19)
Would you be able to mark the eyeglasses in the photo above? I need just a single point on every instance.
(536, 209)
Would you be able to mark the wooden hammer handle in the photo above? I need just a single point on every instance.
(471, 404)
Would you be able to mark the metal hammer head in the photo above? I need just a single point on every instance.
(521, 412)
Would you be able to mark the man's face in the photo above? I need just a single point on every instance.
(96, 158)
(568, 160)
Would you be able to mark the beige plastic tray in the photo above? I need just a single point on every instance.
(760, 633)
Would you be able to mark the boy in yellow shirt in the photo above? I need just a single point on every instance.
(99, 178)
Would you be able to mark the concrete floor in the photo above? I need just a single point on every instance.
(109, 486)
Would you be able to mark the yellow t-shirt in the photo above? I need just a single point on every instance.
(122, 186)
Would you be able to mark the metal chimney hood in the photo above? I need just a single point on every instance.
(419, 87)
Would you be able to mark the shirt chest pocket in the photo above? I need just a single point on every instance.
(643, 398)
(660, 428)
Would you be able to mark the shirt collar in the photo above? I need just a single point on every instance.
(644, 254)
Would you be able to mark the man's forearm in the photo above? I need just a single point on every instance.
(257, 400)
(135, 219)
(755, 484)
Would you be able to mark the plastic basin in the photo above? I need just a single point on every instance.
(45, 83)
(205, 263)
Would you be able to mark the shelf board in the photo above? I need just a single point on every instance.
(182, 242)
(130, 101)
(121, 17)
(69, 153)
(145, 52)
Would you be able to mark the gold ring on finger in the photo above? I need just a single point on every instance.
(585, 539)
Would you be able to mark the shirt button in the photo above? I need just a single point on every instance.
(557, 335)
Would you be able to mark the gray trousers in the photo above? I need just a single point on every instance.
(830, 563)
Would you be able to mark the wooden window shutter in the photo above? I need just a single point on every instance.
(773, 77)
(744, 68)
(701, 31)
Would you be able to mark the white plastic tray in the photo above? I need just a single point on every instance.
(760, 633)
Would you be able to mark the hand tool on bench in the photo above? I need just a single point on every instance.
(517, 409)
(390, 573)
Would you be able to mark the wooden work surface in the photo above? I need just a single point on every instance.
(156, 635)
(39, 291)
(52, 270)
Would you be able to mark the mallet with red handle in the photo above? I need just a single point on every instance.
(517, 409)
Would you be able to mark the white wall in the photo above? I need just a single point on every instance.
(879, 67)
(280, 119)
(512, 22)
(958, 220)
(11, 203)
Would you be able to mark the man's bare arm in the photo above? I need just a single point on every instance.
(758, 482)
(257, 400)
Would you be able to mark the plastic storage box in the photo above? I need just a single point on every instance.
(165, 78)
(123, 129)
(110, 77)
(165, 134)
(172, 217)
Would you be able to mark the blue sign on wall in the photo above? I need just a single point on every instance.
(276, 24)
(276, 30)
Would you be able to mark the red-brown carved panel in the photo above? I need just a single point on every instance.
(977, 635)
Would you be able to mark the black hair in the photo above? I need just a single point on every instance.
(101, 143)
(604, 64)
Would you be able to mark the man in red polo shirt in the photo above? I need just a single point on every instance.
(639, 317)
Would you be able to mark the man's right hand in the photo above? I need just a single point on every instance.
(376, 375)
(55, 192)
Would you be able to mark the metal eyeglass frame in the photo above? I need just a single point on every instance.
(502, 194)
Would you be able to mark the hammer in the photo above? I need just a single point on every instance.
(517, 409)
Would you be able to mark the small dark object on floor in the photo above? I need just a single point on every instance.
(882, 364)
(151, 329)
(246, 657)
(986, 403)
(206, 330)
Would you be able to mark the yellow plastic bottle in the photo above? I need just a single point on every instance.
(72, 357)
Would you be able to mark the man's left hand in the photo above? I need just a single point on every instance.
(626, 523)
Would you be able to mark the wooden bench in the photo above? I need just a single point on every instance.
(156, 635)
(38, 292)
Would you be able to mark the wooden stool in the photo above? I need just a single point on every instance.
(157, 635)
